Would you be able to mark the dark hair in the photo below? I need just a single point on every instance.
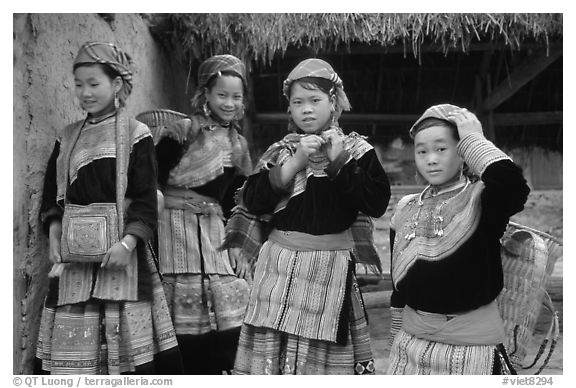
(435, 122)
(212, 80)
(314, 83)
(109, 71)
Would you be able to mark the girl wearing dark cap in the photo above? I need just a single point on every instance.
(445, 243)
(105, 312)
(304, 216)
(202, 161)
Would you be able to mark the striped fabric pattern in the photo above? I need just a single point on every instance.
(479, 153)
(264, 351)
(179, 250)
(410, 355)
(82, 143)
(86, 339)
(209, 149)
(301, 293)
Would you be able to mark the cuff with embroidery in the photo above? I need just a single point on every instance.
(334, 167)
(479, 153)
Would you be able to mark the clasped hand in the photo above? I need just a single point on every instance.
(331, 140)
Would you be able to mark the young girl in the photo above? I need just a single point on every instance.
(445, 241)
(202, 161)
(105, 312)
(305, 314)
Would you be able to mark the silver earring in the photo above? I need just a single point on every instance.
(206, 109)
(116, 101)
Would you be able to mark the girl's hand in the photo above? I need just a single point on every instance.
(307, 146)
(239, 263)
(466, 121)
(55, 234)
(118, 256)
(334, 143)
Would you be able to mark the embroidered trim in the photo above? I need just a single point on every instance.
(460, 224)
(479, 153)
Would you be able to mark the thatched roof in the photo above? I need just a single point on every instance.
(260, 37)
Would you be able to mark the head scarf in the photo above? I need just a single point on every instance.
(212, 66)
(440, 111)
(314, 67)
(112, 56)
(217, 64)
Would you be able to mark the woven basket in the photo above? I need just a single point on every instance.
(528, 258)
(158, 119)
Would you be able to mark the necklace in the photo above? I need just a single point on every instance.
(437, 219)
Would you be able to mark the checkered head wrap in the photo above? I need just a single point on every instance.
(110, 55)
(219, 63)
(440, 111)
(314, 67)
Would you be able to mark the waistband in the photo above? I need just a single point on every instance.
(299, 241)
(186, 199)
(482, 326)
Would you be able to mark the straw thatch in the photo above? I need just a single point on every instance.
(260, 37)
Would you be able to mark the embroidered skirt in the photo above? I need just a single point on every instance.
(410, 355)
(263, 350)
(305, 316)
(202, 290)
(107, 337)
(199, 305)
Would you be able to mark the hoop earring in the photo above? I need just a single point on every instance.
(116, 100)
(206, 109)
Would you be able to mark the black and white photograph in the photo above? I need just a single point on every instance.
(297, 193)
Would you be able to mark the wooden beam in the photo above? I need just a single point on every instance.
(528, 118)
(533, 65)
(500, 119)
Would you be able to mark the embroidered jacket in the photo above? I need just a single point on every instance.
(460, 270)
(91, 165)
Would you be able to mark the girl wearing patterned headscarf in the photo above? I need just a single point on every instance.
(202, 161)
(445, 242)
(304, 219)
(105, 312)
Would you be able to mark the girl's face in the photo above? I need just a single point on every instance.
(226, 97)
(310, 109)
(435, 154)
(95, 90)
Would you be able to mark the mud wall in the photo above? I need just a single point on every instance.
(44, 46)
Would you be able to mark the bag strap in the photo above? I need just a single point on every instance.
(122, 159)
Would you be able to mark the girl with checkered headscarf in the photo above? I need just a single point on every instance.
(303, 218)
(445, 249)
(105, 312)
(203, 159)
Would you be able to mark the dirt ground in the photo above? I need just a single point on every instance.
(543, 212)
